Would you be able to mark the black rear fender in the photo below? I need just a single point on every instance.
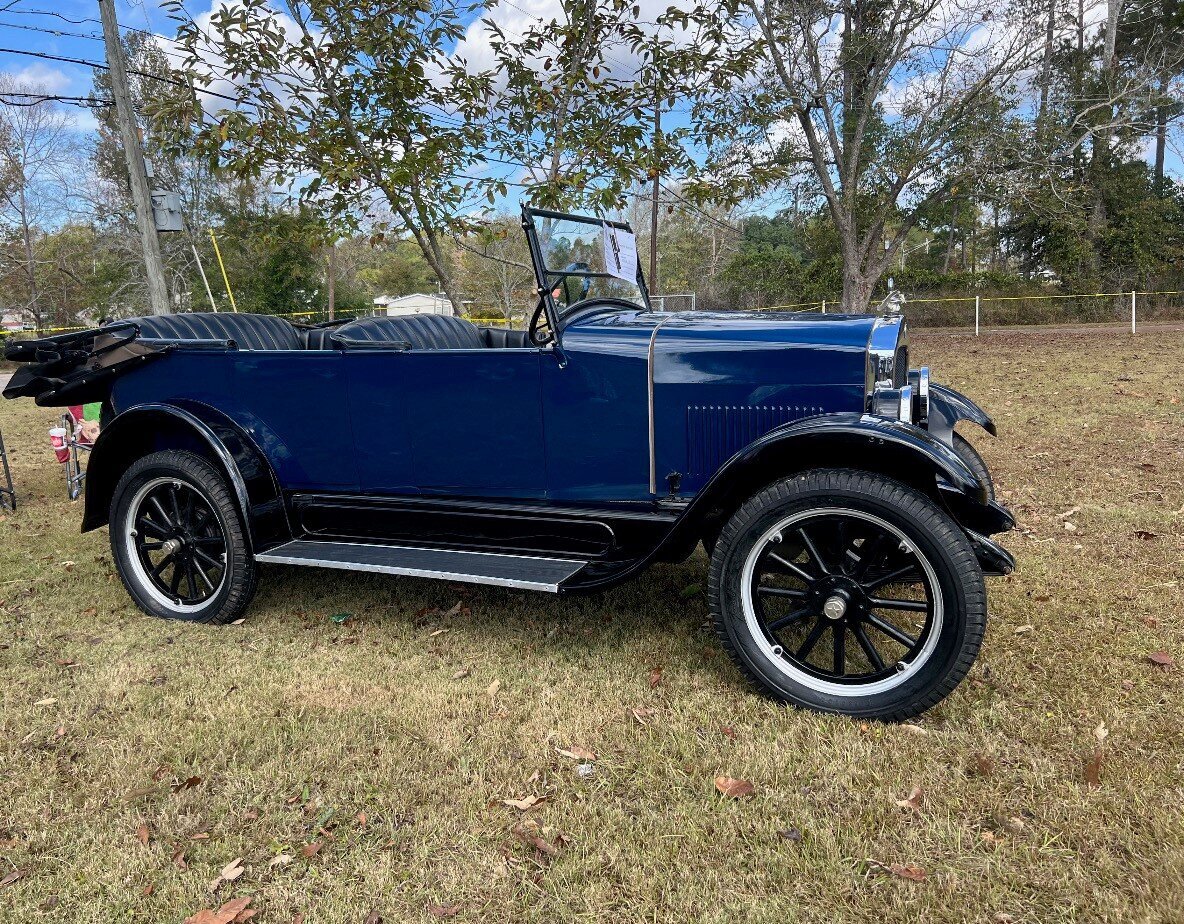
(196, 428)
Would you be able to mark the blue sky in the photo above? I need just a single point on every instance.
(82, 40)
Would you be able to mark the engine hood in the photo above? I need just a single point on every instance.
(718, 380)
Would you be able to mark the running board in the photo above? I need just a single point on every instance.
(520, 571)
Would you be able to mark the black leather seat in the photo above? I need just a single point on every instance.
(248, 331)
(319, 338)
(421, 331)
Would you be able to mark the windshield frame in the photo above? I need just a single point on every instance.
(545, 277)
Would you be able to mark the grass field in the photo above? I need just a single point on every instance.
(351, 744)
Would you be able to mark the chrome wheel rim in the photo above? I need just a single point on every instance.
(842, 601)
(175, 544)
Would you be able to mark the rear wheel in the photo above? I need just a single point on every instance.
(178, 540)
(848, 592)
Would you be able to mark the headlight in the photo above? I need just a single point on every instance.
(893, 403)
(909, 403)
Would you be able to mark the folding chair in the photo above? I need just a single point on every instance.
(75, 444)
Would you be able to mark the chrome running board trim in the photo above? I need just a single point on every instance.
(519, 571)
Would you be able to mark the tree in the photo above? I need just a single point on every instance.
(359, 96)
(890, 105)
(37, 150)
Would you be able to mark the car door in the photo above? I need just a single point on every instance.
(451, 422)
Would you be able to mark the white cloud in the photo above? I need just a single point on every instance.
(40, 77)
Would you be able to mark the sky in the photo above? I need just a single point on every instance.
(82, 39)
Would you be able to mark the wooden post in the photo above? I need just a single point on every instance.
(158, 293)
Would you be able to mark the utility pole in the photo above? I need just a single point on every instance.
(158, 293)
(656, 167)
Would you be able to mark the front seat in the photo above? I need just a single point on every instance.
(421, 331)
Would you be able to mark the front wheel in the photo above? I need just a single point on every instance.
(847, 592)
(178, 540)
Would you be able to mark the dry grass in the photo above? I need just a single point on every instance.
(296, 724)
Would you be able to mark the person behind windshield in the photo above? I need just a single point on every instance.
(560, 291)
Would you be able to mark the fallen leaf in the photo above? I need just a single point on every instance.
(310, 850)
(728, 732)
(373, 917)
(691, 590)
(186, 784)
(456, 609)
(231, 912)
(232, 870)
(655, 677)
(523, 804)
(913, 801)
(1161, 659)
(1101, 732)
(907, 871)
(142, 834)
(1024, 630)
(643, 714)
(200, 836)
(12, 877)
(361, 819)
(1093, 769)
(438, 632)
(443, 911)
(914, 729)
(49, 701)
(791, 834)
(462, 673)
(529, 836)
(734, 788)
(1149, 621)
(1145, 535)
(179, 859)
(282, 859)
(575, 752)
(148, 889)
(491, 690)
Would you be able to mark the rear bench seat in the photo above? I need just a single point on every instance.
(267, 332)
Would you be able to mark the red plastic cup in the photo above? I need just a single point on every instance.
(57, 438)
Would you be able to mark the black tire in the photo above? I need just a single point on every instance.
(847, 510)
(968, 454)
(178, 540)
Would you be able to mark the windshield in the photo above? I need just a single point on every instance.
(574, 260)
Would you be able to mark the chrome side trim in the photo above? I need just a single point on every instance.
(650, 399)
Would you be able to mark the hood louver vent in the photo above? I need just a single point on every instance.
(716, 433)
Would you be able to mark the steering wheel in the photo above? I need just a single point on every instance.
(539, 330)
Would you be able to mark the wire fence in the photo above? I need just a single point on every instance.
(994, 311)
(979, 312)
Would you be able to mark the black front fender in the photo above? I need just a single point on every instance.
(898, 450)
(194, 427)
(947, 407)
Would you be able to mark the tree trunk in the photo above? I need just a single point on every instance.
(1046, 63)
(1161, 134)
(331, 281)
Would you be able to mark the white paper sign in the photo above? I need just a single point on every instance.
(620, 253)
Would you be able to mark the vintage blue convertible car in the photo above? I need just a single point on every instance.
(846, 521)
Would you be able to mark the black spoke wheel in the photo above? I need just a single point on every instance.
(843, 597)
(177, 538)
(177, 541)
(845, 591)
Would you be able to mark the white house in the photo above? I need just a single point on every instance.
(412, 304)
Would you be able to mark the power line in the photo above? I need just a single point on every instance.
(101, 66)
(62, 33)
(36, 99)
